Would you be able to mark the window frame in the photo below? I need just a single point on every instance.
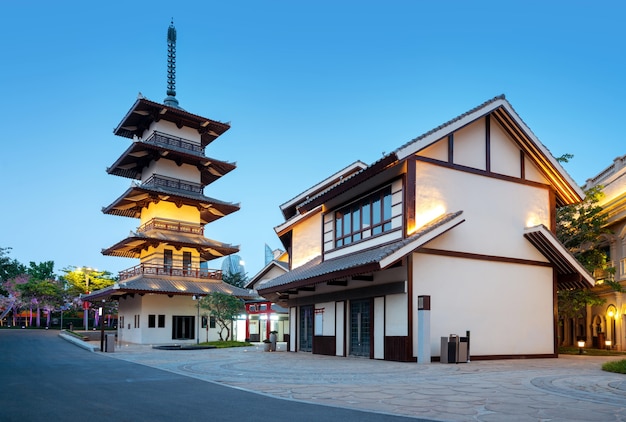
(365, 218)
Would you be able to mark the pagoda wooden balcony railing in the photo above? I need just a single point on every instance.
(169, 182)
(159, 138)
(170, 271)
(171, 225)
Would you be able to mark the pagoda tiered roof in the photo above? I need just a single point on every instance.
(160, 188)
(141, 153)
(144, 112)
(132, 246)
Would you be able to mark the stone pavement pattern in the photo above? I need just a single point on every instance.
(570, 388)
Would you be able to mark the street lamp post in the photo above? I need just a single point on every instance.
(197, 299)
(101, 315)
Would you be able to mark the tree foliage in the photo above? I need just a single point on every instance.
(580, 227)
(235, 279)
(224, 308)
(82, 280)
(9, 268)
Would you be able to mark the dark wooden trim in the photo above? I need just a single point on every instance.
(409, 301)
(522, 165)
(363, 277)
(488, 143)
(372, 340)
(296, 327)
(324, 345)
(451, 148)
(398, 348)
(351, 294)
(503, 357)
(552, 199)
(481, 257)
(410, 193)
(479, 172)
(337, 283)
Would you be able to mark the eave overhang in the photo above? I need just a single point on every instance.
(379, 258)
(144, 112)
(140, 154)
(133, 245)
(347, 183)
(138, 197)
(570, 273)
(167, 286)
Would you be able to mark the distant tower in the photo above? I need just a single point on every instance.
(167, 158)
(233, 264)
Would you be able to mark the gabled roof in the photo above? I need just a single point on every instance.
(571, 273)
(567, 191)
(284, 266)
(136, 197)
(132, 246)
(317, 271)
(289, 208)
(144, 112)
(169, 286)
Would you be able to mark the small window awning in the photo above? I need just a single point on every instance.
(317, 271)
(570, 273)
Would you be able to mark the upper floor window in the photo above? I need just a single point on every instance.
(367, 217)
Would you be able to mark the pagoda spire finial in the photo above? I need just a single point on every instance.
(171, 100)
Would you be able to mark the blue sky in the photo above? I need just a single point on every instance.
(308, 87)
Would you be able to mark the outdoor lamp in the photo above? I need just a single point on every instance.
(607, 343)
(581, 344)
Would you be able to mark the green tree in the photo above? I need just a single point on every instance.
(579, 228)
(235, 279)
(9, 269)
(83, 280)
(224, 308)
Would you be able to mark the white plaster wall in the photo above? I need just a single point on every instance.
(379, 328)
(170, 211)
(505, 154)
(158, 305)
(470, 146)
(164, 126)
(495, 211)
(508, 308)
(328, 328)
(437, 150)
(293, 324)
(396, 321)
(340, 328)
(168, 168)
(307, 240)
(532, 173)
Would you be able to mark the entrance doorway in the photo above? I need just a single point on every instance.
(360, 324)
(183, 327)
(306, 328)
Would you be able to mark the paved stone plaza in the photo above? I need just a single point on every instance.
(570, 388)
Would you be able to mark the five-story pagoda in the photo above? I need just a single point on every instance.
(170, 170)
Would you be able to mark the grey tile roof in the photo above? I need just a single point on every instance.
(318, 271)
(174, 286)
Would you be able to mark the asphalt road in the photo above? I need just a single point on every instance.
(45, 378)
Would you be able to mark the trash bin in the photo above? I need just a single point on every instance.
(454, 349)
(109, 345)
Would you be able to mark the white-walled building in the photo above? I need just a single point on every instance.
(607, 322)
(461, 218)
